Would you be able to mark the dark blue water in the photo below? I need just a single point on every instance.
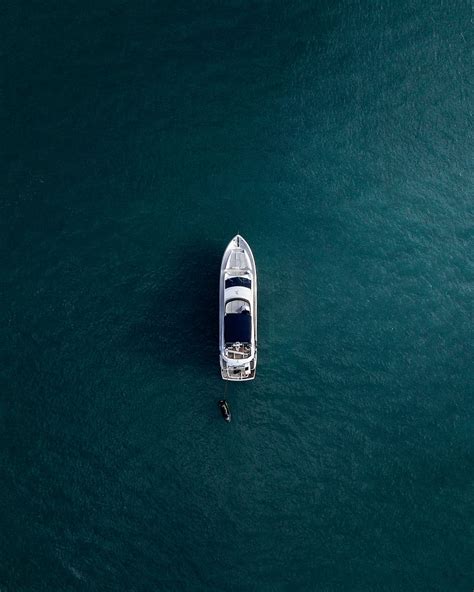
(138, 139)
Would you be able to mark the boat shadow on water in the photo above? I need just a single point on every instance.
(180, 326)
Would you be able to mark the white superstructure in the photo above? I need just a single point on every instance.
(238, 312)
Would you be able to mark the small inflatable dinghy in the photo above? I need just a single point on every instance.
(225, 410)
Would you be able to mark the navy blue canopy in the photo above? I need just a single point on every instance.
(237, 327)
(238, 281)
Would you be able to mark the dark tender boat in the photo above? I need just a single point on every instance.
(225, 410)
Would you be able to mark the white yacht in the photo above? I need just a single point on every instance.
(238, 312)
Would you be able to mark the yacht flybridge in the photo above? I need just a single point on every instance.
(238, 312)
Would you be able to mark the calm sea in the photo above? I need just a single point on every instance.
(139, 138)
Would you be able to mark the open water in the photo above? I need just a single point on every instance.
(139, 138)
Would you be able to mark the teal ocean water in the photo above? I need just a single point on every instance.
(139, 138)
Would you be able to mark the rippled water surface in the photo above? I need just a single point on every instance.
(139, 137)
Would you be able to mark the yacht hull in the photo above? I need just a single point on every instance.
(238, 312)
